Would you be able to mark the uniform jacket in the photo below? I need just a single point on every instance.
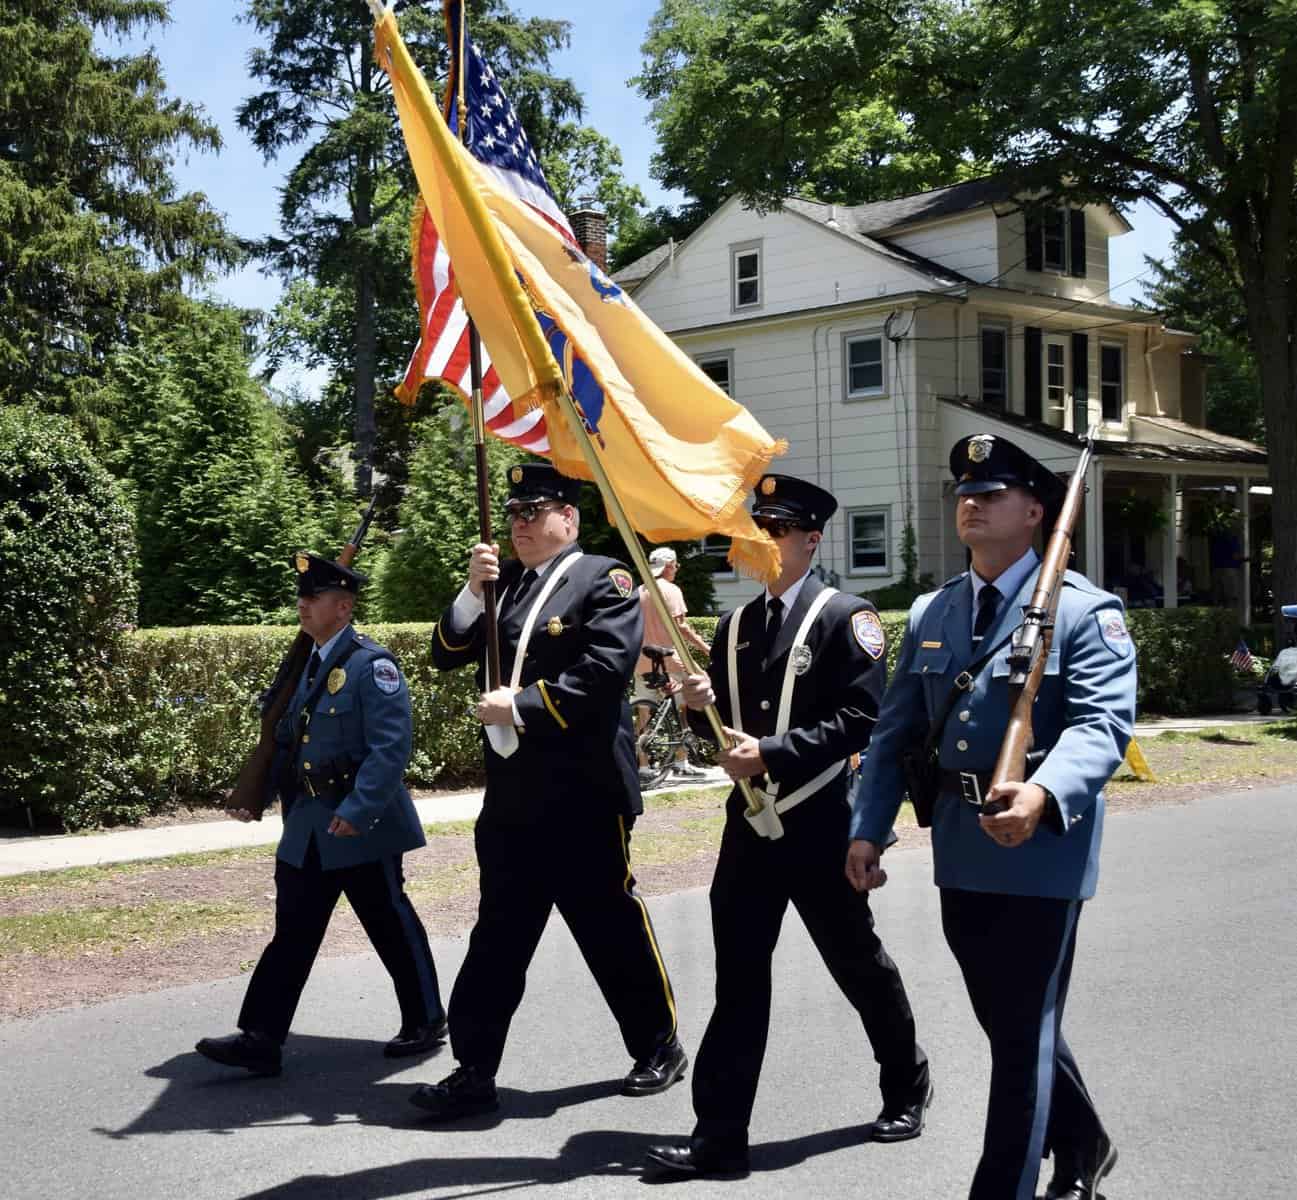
(1083, 717)
(367, 719)
(834, 702)
(577, 747)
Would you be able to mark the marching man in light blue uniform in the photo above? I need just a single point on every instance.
(1012, 881)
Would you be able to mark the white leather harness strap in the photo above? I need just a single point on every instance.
(552, 577)
(785, 698)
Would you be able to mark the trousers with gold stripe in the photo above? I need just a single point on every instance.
(578, 862)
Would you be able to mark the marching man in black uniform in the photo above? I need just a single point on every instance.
(345, 741)
(797, 674)
(562, 793)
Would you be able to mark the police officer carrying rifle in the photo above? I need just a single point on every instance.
(797, 675)
(1014, 857)
(342, 748)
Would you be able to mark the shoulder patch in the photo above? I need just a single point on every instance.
(1112, 628)
(622, 580)
(386, 677)
(868, 631)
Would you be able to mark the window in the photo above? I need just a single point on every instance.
(745, 270)
(995, 366)
(715, 550)
(1054, 240)
(719, 368)
(1112, 371)
(868, 540)
(863, 365)
(1055, 383)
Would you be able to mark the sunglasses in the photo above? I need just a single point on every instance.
(525, 514)
(776, 527)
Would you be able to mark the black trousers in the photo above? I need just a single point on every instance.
(304, 901)
(1016, 956)
(579, 863)
(755, 880)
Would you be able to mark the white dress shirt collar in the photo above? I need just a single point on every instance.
(789, 598)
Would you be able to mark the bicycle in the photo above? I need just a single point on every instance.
(661, 732)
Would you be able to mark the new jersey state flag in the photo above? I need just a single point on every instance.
(681, 454)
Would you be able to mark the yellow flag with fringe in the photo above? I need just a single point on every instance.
(681, 453)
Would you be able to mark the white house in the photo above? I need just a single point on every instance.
(872, 337)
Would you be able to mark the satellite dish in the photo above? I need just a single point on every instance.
(898, 324)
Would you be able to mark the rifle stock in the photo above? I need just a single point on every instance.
(1029, 650)
(252, 788)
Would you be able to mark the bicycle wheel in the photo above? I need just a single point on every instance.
(656, 746)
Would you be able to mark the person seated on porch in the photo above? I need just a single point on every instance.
(1183, 580)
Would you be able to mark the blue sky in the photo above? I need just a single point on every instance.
(204, 58)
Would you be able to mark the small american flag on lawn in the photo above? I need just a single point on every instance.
(1241, 659)
(496, 139)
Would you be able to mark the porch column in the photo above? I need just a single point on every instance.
(1170, 544)
(1094, 523)
(1245, 591)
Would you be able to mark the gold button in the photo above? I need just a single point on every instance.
(765, 705)
(306, 737)
(965, 715)
(306, 766)
(961, 745)
(333, 710)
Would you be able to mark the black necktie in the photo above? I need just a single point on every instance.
(523, 586)
(774, 619)
(312, 667)
(988, 601)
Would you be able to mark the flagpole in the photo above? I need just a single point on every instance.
(478, 409)
(755, 806)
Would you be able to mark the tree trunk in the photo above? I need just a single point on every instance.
(1279, 397)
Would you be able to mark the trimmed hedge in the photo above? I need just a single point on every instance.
(183, 714)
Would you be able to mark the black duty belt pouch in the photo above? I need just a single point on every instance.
(920, 765)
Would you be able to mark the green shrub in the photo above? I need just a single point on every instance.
(66, 558)
(179, 710)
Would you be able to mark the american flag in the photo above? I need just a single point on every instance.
(1241, 659)
(496, 139)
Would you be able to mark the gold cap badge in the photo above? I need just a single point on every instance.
(768, 487)
(516, 475)
(303, 563)
(337, 677)
(979, 447)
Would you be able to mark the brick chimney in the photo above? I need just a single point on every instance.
(591, 229)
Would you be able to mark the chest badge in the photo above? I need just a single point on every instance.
(554, 627)
(801, 659)
(337, 677)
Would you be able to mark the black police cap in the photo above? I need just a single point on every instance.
(530, 482)
(786, 498)
(316, 575)
(986, 462)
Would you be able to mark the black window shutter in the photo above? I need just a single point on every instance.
(1031, 374)
(1080, 383)
(1077, 255)
(1034, 260)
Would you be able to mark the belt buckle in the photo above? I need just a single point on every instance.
(970, 789)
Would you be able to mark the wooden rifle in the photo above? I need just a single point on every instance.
(1029, 647)
(252, 789)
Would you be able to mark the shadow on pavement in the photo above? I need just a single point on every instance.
(326, 1081)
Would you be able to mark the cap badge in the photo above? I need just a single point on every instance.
(801, 660)
(768, 487)
(337, 677)
(516, 475)
(303, 563)
(554, 627)
(979, 447)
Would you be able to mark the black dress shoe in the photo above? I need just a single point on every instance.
(702, 1156)
(465, 1092)
(1079, 1178)
(419, 1040)
(900, 1122)
(657, 1072)
(255, 1052)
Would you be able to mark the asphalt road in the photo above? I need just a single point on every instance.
(1180, 1013)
